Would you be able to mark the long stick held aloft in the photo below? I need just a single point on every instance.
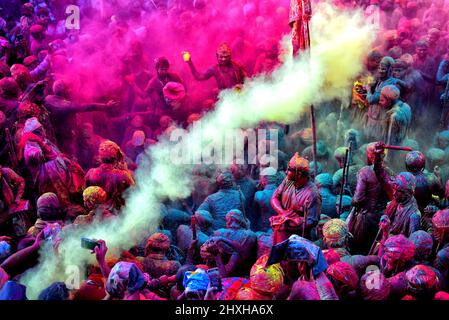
(312, 123)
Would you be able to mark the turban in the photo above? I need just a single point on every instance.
(344, 273)
(48, 207)
(36, 29)
(441, 295)
(436, 155)
(109, 151)
(28, 61)
(346, 203)
(5, 249)
(423, 243)
(331, 256)
(387, 61)
(158, 241)
(415, 161)
(125, 276)
(197, 280)
(405, 181)
(32, 124)
(9, 88)
(91, 289)
(224, 49)
(266, 279)
(441, 219)
(56, 292)
(335, 233)
(138, 138)
(299, 249)
(3, 277)
(324, 180)
(374, 286)
(270, 175)
(402, 246)
(298, 163)
(225, 180)
(238, 216)
(421, 278)
(94, 195)
(174, 91)
(321, 151)
(340, 153)
(390, 92)
(21, 74)
(27, 109)
(13, 290)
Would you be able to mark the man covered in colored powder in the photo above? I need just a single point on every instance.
(369, 201)
(227, 72)
(112, 175)
(297, 202)
(299, 17)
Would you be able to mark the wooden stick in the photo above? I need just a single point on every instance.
(312, 123)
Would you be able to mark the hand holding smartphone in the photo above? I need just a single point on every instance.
(215, 279)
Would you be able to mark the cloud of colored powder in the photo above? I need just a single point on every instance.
(340, 40)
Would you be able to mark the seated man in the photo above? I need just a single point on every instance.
(225, 199)
(297, 202)
(156, 263)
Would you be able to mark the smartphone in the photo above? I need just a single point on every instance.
(215, 279)
(90, 244)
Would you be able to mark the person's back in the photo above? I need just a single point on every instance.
(220, 203)
(264, 210)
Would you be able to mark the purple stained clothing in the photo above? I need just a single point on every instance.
(405, 217)
(302, 201)
(370, 200)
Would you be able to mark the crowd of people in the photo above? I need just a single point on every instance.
(357, 220)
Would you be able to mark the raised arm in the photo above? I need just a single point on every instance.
(199, 76)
